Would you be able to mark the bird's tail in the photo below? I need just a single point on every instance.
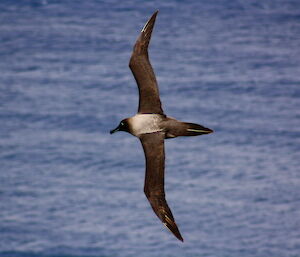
(177, 129)
(192, 129)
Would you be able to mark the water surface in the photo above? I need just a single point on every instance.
(68, 188)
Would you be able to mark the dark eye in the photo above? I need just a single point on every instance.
(122, 124)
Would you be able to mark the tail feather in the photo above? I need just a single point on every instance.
(177, 128)
(193, 129)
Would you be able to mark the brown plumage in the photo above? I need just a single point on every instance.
(142, 71)
(153, 145)
(152, 126)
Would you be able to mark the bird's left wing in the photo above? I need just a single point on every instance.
(153, 144)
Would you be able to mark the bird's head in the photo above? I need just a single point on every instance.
(123, 126)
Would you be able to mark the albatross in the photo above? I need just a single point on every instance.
(152, 127)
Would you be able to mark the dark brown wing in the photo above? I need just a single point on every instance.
(143, 73)
(153, 145)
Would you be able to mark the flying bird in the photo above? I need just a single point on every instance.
(152, 126)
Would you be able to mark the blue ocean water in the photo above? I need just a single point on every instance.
(68, 188)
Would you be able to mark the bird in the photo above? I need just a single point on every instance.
(152, 126)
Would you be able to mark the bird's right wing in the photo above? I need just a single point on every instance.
(153, 144)
(143, 73)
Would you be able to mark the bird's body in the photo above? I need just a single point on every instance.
(145, 123)
(152, 126)
(141, 124)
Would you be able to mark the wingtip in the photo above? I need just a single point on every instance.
(154, 14)
(150, 21)
(172, 226)
(179, 237)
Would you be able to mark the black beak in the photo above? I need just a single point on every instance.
(114, 130)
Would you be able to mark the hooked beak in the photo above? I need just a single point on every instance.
(114, 130)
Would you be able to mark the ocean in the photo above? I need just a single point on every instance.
(70, 189)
